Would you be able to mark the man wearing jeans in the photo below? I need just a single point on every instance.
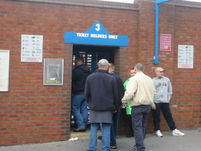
(140, 91)
(79, 104)
(116, 115)
(101, 93)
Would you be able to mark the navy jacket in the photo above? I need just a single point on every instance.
(120, 88)
(101, 91)
(79, 76)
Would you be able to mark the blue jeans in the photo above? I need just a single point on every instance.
(105, 131)
(139, 122)
(80, 111)
(114, 127)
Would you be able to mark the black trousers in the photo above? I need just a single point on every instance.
(164, 107)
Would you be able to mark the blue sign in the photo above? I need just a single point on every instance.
(96, 35)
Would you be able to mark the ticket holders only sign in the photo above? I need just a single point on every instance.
(96, 35)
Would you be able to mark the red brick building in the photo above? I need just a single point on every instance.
(31, 112)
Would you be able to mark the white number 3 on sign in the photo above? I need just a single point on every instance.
(97, 27)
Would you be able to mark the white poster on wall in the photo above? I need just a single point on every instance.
(31, 48)
(185, 56)
(4, 69)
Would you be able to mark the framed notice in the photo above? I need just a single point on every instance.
(53, 71)
(31, 48)
(4, 69)
(185, 56)
(165, 42)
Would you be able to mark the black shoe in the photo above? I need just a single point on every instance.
(81, 129)
(113, 146)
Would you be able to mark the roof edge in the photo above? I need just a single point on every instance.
(86, 3)
(181, 3)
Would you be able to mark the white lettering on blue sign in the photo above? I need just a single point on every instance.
(85, 35)
(98, 36)
(97, 27)
(82, 34)
(113, 36)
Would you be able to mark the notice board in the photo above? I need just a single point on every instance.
(31, 48)
(4, 69)
(185, 56)
(53, 71)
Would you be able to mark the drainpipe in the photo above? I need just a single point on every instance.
(156, 9)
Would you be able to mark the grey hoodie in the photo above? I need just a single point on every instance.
(163, 90)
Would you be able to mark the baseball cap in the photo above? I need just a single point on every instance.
(103, 62)
(159, 69)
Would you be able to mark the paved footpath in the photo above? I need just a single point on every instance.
(190, 142)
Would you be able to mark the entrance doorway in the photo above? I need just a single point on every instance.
(91, 55)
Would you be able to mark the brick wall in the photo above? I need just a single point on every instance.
(187, 86)
(181, 23)
(31, 112)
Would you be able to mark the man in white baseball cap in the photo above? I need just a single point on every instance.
(162, 99)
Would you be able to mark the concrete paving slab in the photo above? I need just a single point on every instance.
(190, 142)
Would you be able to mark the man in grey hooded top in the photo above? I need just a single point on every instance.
(162, 99)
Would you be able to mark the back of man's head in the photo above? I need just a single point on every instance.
(79, 60)
(139, 67)
(103, 63)
(111, 67)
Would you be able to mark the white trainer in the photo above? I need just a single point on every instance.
(176, 132)
(159, 134)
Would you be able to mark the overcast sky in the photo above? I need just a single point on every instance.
(131, 1)
(194, 0)
(124, 1)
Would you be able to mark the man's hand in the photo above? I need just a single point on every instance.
(124, 105)
(153, 107)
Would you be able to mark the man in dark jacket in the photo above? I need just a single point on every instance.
(101, 93)
(79, 104)
(116, 114)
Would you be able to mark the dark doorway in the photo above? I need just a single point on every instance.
(91, 55)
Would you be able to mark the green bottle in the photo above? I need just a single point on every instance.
(128, 109)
